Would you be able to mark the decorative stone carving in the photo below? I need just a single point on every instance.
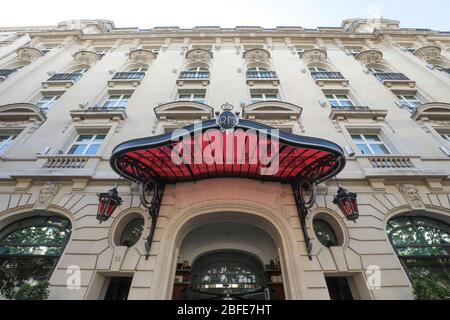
(217, 43)
(46, 195)
(256, 55)
(86, 57)
(428, 53)
(141, 55)
(314, 55)
(411, 195)
(269, 43)
(29, 54)
(370, 56)
(199, 55)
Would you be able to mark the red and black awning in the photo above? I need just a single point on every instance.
(289, 158)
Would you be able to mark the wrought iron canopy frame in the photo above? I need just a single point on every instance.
(301, 159)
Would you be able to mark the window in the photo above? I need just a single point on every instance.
(195, 97)
(264, 96)
(422, 245)
(87, 145)
(445, 136)
(410, 101)
(339, 100)
(139, 69)
(47, 102)
(117, 101)
(257, 69)
(6, 140)
(30, 249)
(196, 69)
(132, 233)
(325, 233)
(370, 144)
(317, 69)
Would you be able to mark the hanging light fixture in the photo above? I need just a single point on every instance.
(347, 203)
(107, 204)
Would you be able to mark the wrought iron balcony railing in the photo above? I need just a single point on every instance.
(186, 75)
(261, 75)
(390, 76)
(66, 77)
(129, 76)
(325, 75)
(351, 108)
(6, 72)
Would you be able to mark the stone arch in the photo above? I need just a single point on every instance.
(379, 65)
(208, 211)
(334, 220)
(122, 219)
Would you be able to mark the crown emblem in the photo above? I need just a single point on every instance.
(227, 107)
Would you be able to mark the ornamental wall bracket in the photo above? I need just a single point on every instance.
(370, 56)
(411, 194)
(314, 55)
(428, 53)
(46, 195)
(141, 55)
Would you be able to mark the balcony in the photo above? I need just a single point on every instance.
(391, 79)
(326, 78)
(5, 73)
(201, 77)
(357, 112)
(127, 79)
(262, 77)
(391, 162)
(62, 79)
(66, 162)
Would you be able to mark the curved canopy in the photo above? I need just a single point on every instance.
(252, 150)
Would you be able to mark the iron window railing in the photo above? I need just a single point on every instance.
(194, 75)
(326, 75)
(390, 76)
(255, 75)
(129, 75)
(66, 77)
(6, 72)
(351, 108)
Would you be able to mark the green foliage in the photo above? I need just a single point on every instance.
(37, 291)
(429, 288)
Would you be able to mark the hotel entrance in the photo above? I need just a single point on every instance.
(228, 261)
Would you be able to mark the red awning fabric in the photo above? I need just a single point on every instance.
(251, 150)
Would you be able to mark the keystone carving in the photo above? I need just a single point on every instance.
(46, 195)
(411, 195)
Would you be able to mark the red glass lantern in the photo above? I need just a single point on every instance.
(347, 203)
(107, 204)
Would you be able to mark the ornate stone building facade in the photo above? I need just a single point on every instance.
(70, 93)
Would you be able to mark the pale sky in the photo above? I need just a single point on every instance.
(433, 14)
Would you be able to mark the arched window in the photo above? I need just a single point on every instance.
(422, 245)
(30, 249)
(132, 232)
(325, 233)
(139, 69)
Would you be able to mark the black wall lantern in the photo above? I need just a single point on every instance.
(347, 203)
(107, 204)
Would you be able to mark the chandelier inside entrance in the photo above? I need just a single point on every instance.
(228, 147)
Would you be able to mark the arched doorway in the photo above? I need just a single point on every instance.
(422, 244)
(229, 261)
(30, 249)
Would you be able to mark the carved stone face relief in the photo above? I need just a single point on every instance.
(46, 195)
(314, 55)
(428, 53)
(411, 195)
